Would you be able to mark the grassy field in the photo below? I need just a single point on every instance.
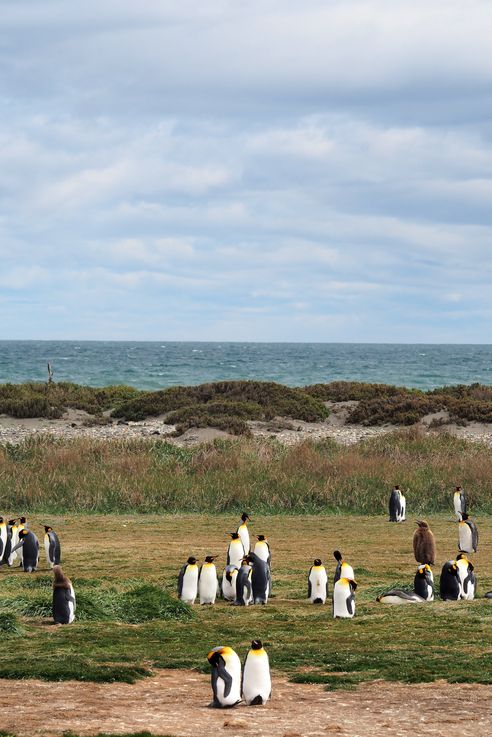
(109, 558)
(55, 475)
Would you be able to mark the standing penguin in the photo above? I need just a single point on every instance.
(260, 579)
(317, 583)
(229, 583)
(344, 598)
(423, 583)
(21, 526)
(235, 551)
(226, 677)
(52, 547)
(467, 535)
(424, 545)
(64, 604)
(397, 505)
(449, 585)
(244, 588)
(257, 682)
(243, 532)
(7, 549)
(3, 538)
(262, 549)
(188, 581)
(459, 501)
(13, 543)
(29, 544)
(343, 569)
(207, 581)
(467, 577)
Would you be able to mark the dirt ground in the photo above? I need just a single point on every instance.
(175, 703)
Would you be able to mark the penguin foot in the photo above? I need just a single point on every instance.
(257, 701)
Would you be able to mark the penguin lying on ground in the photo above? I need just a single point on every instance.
(188, 581)
(243, 532)
(30, 550)
(449, 585)
(52, 547)
(467, 577)
(344, 598)
(459, 501)
(244, 588)
(317, 583)
(467, 535)
(207, 581)
(226, 677)
(488, 595)
(64, 604)
(399, 596)
(343, 569)
(257, 682)
(229, 583)
(235, 551)
(424, 545)
(397, 506)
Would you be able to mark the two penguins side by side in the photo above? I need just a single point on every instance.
(255, 686)
(344, 586)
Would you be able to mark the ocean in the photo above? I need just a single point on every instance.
(160, 364)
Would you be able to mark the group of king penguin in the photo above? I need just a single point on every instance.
(246, 579)
(19, 544)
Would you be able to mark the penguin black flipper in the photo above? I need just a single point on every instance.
(257, 701)
(327, 589)
(180, 580)
(350, 603)
(226, 677)
(474, 534)
(309, 583)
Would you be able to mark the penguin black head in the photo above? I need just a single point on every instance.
(1, 520)
(234, 535)
(260, 537)
(317, 562)
(352, 584)
(22, 520)
(210, 558)
(256, 645)
(397, 487)
(191, 560)
(23, 533)
(47, 528)
(458, 488)
(245, 516)
(214, 657)
(338, 555)
(424, 570)
(246, 561)
(464, 516)
(12, 522)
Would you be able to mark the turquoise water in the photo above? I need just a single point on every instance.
(160, 364)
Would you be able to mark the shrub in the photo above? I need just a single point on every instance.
(345, 391)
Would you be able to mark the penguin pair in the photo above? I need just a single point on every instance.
(344, 586)
(458, 580)
(423, 590)
(64, 603)
(194, 580)
(255, 686)
(253, 581)
(397, 505)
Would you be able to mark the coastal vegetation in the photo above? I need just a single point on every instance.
(232, 405)
(57, 475)
(124, 571)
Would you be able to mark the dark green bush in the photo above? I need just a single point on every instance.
(345, 391)
(397, 410)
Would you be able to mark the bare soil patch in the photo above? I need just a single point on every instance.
(175, 703)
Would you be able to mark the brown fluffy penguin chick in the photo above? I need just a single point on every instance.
(424, 545)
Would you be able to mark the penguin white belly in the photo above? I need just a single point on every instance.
(318, 580)
(343, 601)
(244, 536)
(403, 509)
(190, 585)
(229, 587)
(430, 593)
(207, 584)
(235, 553)
(465, 538)
(248, 595)
(233, 667)
(71, 606)
(47, 550)
(256, 678)
(15, 539)
(457, 505)
(262, 551)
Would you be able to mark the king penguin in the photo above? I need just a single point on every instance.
(459, 501)
(398, 596)
(244, 588)
(21, 526)
(243, 532)
(466, 576)
(7, 548)
(260, 579)
(343, 569)
(64, 603)
(235, 551)
(52, 547)
(424, 545)
(188, 581)
(467, 535)
(257, 682)
(423, 583)
(29, 544)
(449, 585)
(207, 581)
(344, 598)
(226, 677)
(317, 583)
(229, 583)
(14, 540)
(397, 505)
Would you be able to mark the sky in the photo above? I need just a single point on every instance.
(246, 170)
